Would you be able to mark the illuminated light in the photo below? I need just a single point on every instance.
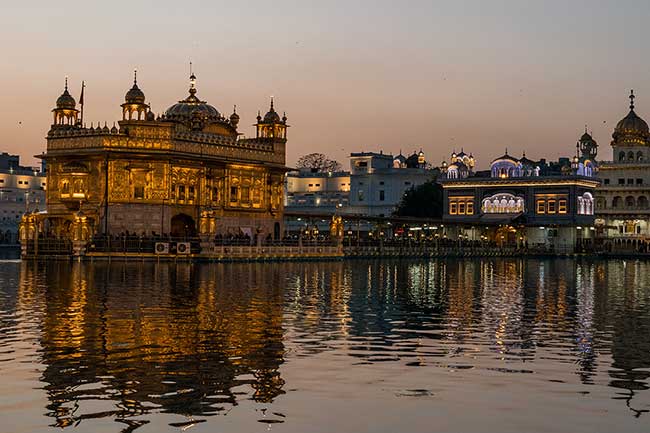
(542, 228)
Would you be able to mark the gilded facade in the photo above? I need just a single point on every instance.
(185, 172)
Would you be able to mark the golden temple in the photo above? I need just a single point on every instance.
(184, 173)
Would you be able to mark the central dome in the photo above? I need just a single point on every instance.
(192, 106)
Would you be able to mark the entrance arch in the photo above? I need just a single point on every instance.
(183, 226)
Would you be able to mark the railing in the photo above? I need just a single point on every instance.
(135, 244)
(49, 247)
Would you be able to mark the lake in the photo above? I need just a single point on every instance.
(480, 345)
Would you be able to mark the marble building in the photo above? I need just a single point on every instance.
(622, 201)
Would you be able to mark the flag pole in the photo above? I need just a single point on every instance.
(81, 102)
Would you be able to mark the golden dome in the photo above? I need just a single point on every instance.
(192, 106)
(272, 116)
(66, 101)
(631, 128)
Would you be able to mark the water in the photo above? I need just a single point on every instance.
(365, 346)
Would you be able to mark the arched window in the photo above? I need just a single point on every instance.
(630, 156)
(621, 156)
(639, 156)
(630, 202)
(617, 203)
(586, 204)
(503, 203)
(642, 202)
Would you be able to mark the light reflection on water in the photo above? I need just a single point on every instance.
(309, 346)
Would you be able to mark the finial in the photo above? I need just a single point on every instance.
(271, 102)
(632, 99)
(585, 128)
(524, 154)
(506, 150)
(135, 76)
(234, 108)
(66, 83)
(191, 73)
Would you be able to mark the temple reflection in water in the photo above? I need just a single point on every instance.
(197, 340)
(115, 325)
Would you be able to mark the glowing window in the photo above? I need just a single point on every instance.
(470, 208)
(561, 206)
(541, 208)
(551, 206)
(452, 208)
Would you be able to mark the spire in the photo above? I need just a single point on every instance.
(632, 100)
(192, 81)
(272, 109)
(234, 109)
(66, 83)
(585, 128)
(135, 77)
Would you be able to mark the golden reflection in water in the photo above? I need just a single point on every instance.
(198, 339)
(191, 335)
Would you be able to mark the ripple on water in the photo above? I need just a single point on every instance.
(134, 343)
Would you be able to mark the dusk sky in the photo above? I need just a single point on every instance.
(351, 75)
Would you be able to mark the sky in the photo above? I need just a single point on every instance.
(351, 75)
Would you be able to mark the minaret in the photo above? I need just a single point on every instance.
(65, 113)
(272, 126)
(134, 106)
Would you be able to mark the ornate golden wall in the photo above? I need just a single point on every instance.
(156, 171)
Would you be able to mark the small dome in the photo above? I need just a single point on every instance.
(271, 116)
(505, 157)
(134, 95)
(66, 101)
(401, 158)
(150, 116)
(234, 117)
(586, 137)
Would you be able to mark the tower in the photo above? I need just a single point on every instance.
(587, 146)
(134, 106)
(631, 137)
(272, 126)
(65, 113)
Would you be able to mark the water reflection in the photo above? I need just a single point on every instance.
(128, 341)
(180, 339)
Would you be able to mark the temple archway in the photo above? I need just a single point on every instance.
(183, 226)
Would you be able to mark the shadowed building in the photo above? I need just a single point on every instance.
(186, 172)
(520, 202)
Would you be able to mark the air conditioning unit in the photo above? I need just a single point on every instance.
(162, 247)
(183, 248)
